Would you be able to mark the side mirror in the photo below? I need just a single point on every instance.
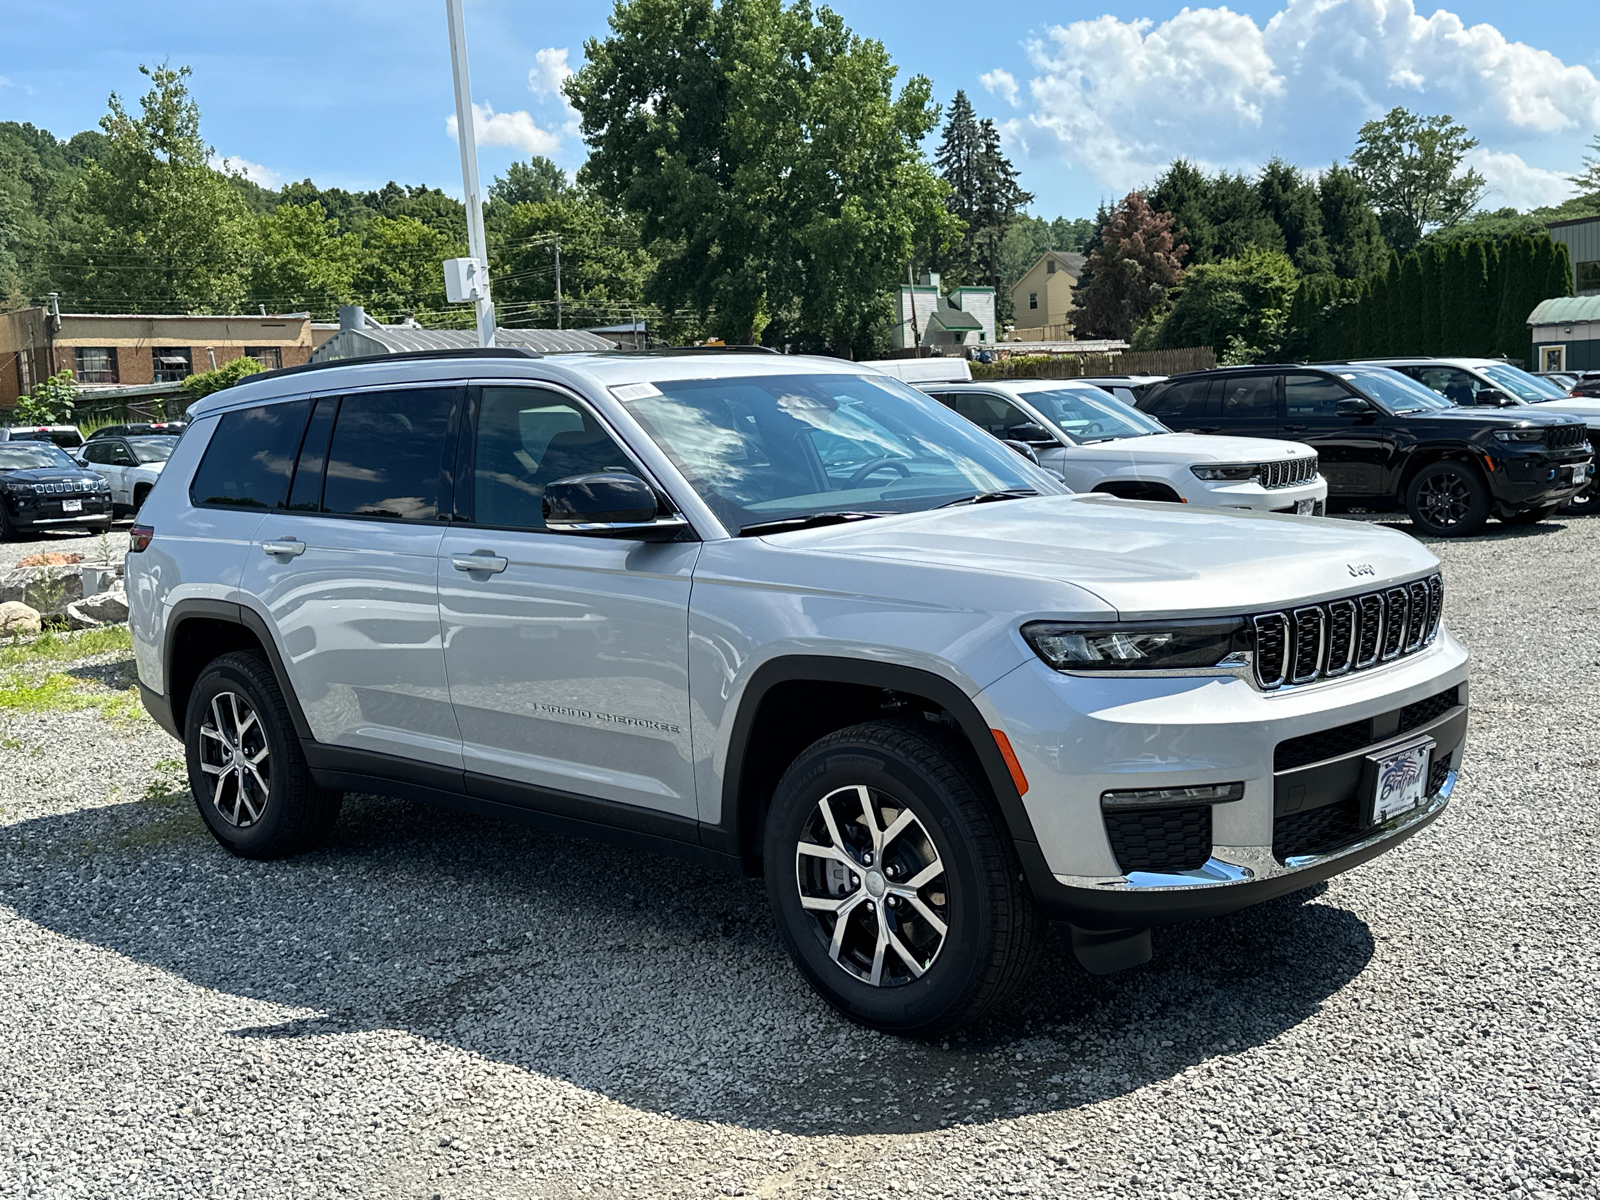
(1354, 407)
(608, 504)
(1023, 449)
(1031, 433)
(1495, 398)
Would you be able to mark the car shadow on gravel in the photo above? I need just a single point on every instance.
(657, 984)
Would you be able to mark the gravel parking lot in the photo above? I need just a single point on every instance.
(445, 1006)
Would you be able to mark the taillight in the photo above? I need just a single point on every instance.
(139, 537)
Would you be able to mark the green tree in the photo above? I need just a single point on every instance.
(1432, 330)
(1455, 293)
(1411, 166)
(1408, 333)
(400, 269)
(50, 403)
(1588, 180)
(304, 262)
(958, 159)
(1355, 243)
(604, 270)
(1517, 289)
(1291, 202)
(1394, 312)
(1218, 216)
(163, 231)
(225, 376)
(1486, 312)
(775, 171)
(531, 182)
(1239, 307)
(1136, 264)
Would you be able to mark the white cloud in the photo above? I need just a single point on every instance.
(1119, 99)
(1002, 84)
(550, 71)
(5, 83)
(517, 129)
(1514, 183)
(234, 165)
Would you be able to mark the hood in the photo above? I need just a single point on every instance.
(1194, 448)
(1585, 408)
(49, 475)
(1141, 559)
(1530, 414)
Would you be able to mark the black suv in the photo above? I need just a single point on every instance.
(1386, 442)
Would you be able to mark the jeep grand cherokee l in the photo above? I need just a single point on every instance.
(793, 618)
(1386, 442)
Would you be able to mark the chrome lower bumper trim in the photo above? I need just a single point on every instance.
(1230, 865)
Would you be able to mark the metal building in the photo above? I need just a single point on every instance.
(360, 336)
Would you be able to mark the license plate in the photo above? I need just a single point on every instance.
(72, 506)
(1399, 779)
(1304, 508)
(1582, 472)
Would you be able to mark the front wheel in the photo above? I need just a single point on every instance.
(247, 771)
(1531, 516)
(1585, 502)
(1448, 499)
(895, 886)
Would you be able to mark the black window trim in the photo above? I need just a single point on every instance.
(467, 448)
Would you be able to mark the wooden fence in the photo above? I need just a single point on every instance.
(1076, 366)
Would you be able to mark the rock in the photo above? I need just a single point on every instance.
(51, 558)
(17, 618)
(103, 608)
(48, 589)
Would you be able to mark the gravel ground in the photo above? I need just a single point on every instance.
(75, 542)
(443, 1006)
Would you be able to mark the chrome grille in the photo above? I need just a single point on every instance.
(1290, 472)
(1352, 633)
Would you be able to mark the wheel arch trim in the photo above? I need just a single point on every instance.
(233, 613)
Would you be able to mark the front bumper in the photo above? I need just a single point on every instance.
(48, 512)
(1300, 819)
(1523, 481)
(1253, 496)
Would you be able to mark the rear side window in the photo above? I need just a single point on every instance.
(1246, 396)
(1191, 400)
(386, 457)
(248, 461)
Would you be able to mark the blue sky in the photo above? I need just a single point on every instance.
(1093, 98)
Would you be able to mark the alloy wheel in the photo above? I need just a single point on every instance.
(234, 752)
(873, 882)
(1443, 499)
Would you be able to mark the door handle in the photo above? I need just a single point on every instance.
(490, 564)
(1291, 428)
(289, 547)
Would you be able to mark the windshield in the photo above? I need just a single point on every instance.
(30, 456)
(1087, 415)
(775, 447)
(153, 449)
(1396, 392)
(1521, 384)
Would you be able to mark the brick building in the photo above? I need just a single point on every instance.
(105, 351)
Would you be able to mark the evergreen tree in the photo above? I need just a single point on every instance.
(1516, 269)
(1375, 342)
(1137, 263)
(958, 162)
(1454, 299)
(1000, 202)
(1432, 292)
(1482, 301)
(1290, 200)
(1355, 243)
(1394, 316)
(1364, 333)
(1408, 333)
(1558, 276)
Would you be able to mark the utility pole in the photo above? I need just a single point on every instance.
(466, 134)
(916, 338)
(558, 281)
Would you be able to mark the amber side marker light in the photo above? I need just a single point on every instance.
(1012, 765)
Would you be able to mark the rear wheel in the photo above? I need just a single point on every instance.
(1448, 499)
(895, 886)
(7, 529)
(1532, 516)
(246, 769)
(139, 494)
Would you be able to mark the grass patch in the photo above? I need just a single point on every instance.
(61, 693)
(51, 646)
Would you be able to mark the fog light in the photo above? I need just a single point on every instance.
(1173, 797)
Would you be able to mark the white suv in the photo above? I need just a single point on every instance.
(793, 618)
(1095, 443)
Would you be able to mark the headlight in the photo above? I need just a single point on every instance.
(1227, 471)
(1139, 645)
(1519, 435)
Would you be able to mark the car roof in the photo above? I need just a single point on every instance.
(605, 370)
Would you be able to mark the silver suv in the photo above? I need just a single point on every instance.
(794, 618)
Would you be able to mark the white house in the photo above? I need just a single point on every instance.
(962, 319)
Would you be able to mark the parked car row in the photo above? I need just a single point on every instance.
(43, 487)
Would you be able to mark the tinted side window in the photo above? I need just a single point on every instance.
(1186, 401)
(248, 462)
(94, 453)
(1312, 396)
(1249, 396)
(305, 494)
(527, 438)
(1454, 385)
(386, 458)
(989, 413)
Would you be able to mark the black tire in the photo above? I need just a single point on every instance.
(1531, 516)
(99, 528)
(993, 929)
(7, 529)
(1585, 503)
(1448, 499)
(139, 496)
(254, 814)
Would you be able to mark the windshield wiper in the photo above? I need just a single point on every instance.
(807, 522)
(987, 497)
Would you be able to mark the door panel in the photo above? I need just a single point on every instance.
(568, 665)
(1351, 451)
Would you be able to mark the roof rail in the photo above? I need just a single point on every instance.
(667, 351)
(407, 356)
